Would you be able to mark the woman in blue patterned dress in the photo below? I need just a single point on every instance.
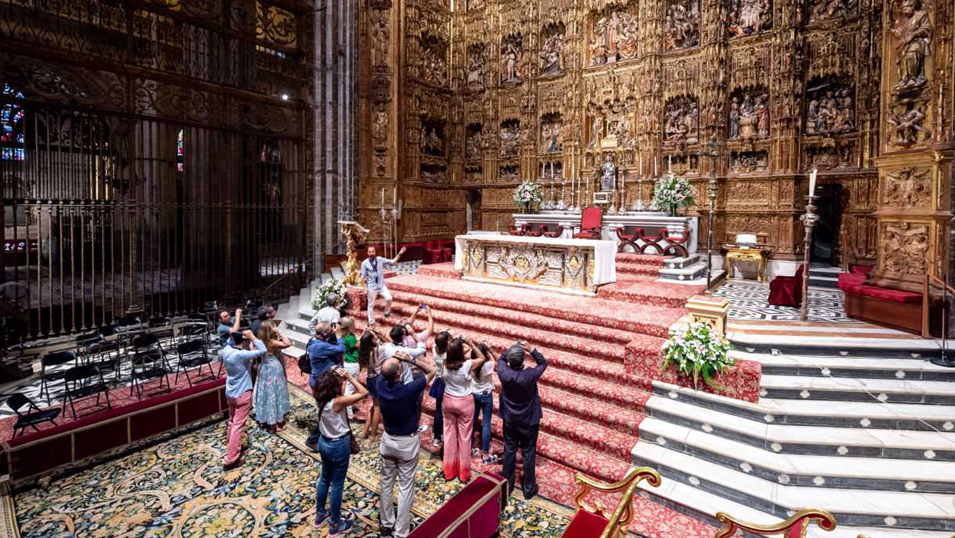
(271, 388)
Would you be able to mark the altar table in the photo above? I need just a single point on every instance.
(566, 265)
(650, 221)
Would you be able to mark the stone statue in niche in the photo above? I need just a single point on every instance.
(476, 68)
(380, 164)
(682, 25)
(432, 141)
(623, 130)
(552, 135)
(681, 120)
(510, 139)
(830, 109)
(748, 17)
(820, 10)
(907, 122)
(749, 119)
(749, 161)
(473, 145)
(614, 38)
(512, 53)
(434, 62)
(596, 132)
(913, 33)
(552, 53)
(379, 127)
(380, 37)
(734, 118)
(608, 175)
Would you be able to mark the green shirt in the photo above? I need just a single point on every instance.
(351, 348)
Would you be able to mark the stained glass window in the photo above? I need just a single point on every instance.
(180, 152)
(11, 137)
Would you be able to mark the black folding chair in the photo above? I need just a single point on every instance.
(49, 361)
(33, 416)
(146, 365)
(106, 355)
(83, 381)
(191, 330)
(192, 354)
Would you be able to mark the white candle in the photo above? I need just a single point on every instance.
(656, 171)
(640, 171)
(394, 196)
(812, 182)
(670, 163)
(382, 197)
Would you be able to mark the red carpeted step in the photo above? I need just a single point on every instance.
(647, 290)
(514, 317)
(654, 320)
(651, 260)
(443, 270)
(636, 269)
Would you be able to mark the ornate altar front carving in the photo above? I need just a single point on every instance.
(574, 266)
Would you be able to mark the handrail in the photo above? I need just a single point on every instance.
(929, 279)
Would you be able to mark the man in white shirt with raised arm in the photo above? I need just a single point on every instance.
(373, 272)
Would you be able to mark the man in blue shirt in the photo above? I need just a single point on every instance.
(373, 272)
(520, 408)
(325, 350)
(400, 444)
(238, 357)
(227, 326)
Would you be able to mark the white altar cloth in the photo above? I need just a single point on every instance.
(572, 264)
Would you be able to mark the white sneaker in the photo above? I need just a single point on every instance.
(422, 428)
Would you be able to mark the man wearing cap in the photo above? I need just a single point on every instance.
(520, 409)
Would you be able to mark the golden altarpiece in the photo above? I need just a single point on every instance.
(462, 102)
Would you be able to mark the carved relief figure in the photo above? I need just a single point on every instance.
(596, 132)
(913, 32)
(473, 143)
(749, 161)
(908, 188)
(379, 127)
(477, 68)
(681, 120)
(475, 4)
(831, 109)
(820, 10)
(432, 140)
(614, 38)
(623, 130)
(510, 138)
(682, 25)
(905, 248)
(512, 54)
(907, 121)
(748, 17)
(552, 133)
(434, 61)
(380, 36)
(552, 51)
(608, 174)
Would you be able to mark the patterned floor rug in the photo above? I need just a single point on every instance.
(176, 488)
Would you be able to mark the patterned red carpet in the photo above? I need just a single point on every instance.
(592, 406)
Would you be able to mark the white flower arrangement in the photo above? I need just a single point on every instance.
(528, 193)
(332, 286)
(697, 351)
(671, 192)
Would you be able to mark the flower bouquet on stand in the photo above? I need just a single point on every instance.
(528, 195)
(671, 192)
(332, 286)
(697, 351)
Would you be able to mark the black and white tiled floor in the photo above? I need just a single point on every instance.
(750, 301)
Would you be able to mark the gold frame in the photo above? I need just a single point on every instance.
(804, 517)
(623, 514)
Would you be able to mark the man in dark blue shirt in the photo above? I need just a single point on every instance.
(325, 350)
(400, 444)
(520, 408)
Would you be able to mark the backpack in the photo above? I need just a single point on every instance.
(304, 362)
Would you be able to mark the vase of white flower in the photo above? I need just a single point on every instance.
(671, 193)
(528, 195)
(697, 351)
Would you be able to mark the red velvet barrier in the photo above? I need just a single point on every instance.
(474, 512)
(41, 451)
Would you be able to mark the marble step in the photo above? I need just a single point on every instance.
(874, 415)
(801, 440)
(853, 507)
(689, 272)
(858, 390)
(924, 476)
(704, 505)
(823, 282)
(796, 344)
(848, 367)
(681, 262)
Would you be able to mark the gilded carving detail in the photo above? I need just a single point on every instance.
(904, 248)
(908, 188)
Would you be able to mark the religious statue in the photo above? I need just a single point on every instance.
(681, 120)
(552, 54)
(830, 109)
(379, 127)
(748, 17)
(473, 145)
(762, 116)
(552, 136)
(476, 68)
(434, 63)
(608, 175)
(827, 9)
(913, 31)
(512, 52)
(624, 132)
(596, 132)
(682, 25)
(908, 124)
(356, 234)
(381, 35)
(614, 38)
(510, 137)
(734, 118)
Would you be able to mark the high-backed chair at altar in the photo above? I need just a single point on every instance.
(628, 239)
(794, 527)
(591, 221)
(787, 290)
(519, 230)
(597, 522)
(547, 232)
(432, 252)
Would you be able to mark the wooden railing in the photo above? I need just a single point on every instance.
(926, 303)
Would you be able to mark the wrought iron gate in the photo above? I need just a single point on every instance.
(156, 190)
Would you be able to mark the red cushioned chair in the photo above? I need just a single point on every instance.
(534, 231)
(676, 244)
(628, 239)
(787, 290)
(521, 230)
(594, 522)
(447, 250)
(547, 232)
(432, 252)
(590, 223)
(652, 241)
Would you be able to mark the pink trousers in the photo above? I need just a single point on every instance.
(239, 409)
(458, 417)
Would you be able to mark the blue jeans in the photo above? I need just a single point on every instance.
(335, 455)
(438, 417)
(484, 402)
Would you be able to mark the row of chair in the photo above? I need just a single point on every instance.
(541, 230)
